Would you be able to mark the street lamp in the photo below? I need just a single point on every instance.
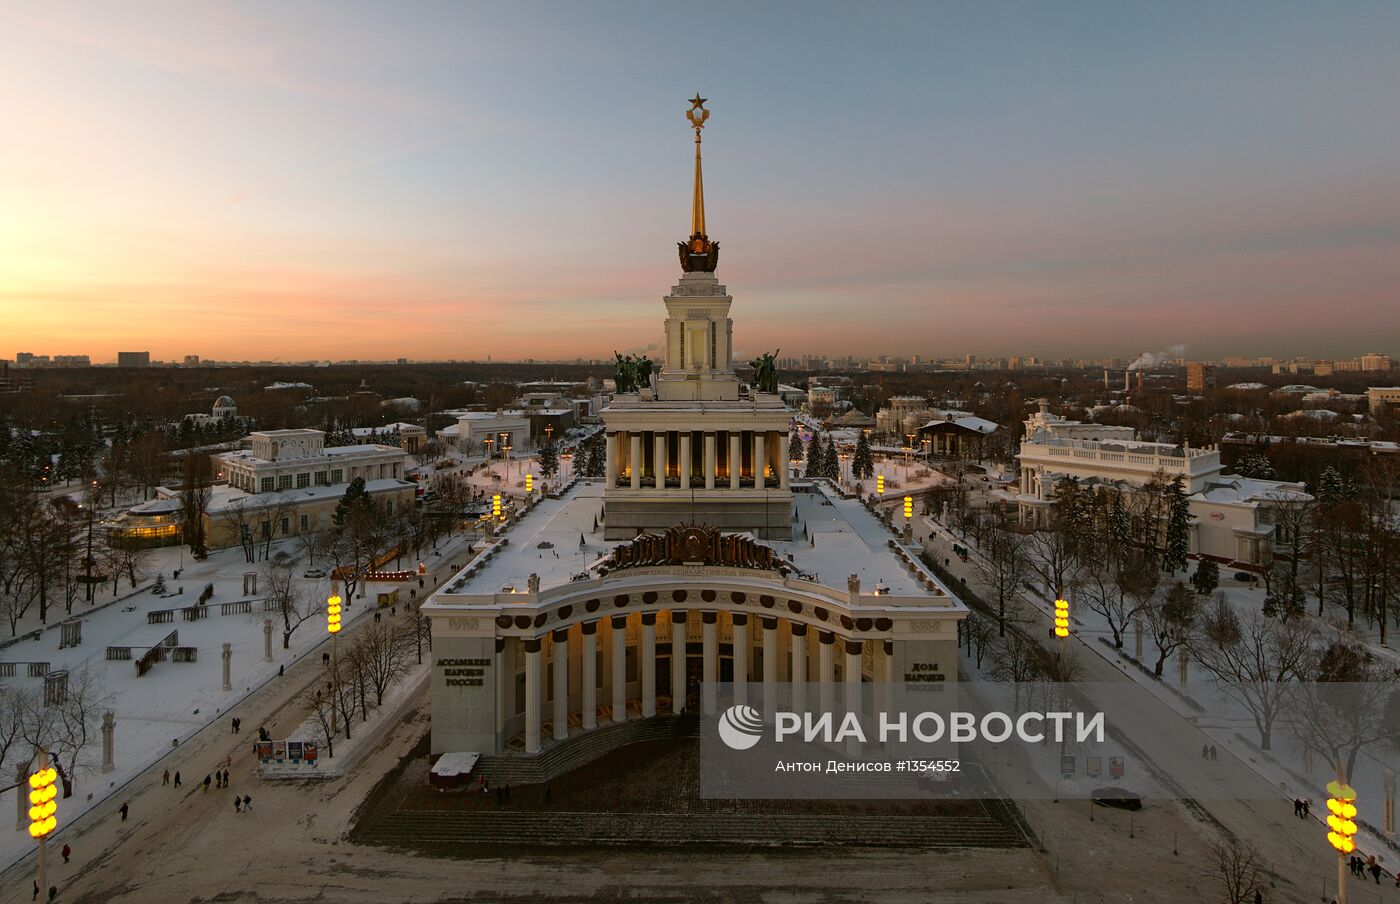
(908, 447)
(1061, 617)
(844, 457)
(928, 445)
(333, 628)
(42, 808)
(1341, 826)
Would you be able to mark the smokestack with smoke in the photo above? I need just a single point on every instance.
(1152, 359)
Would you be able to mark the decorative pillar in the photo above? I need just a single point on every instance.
(561, 683)
(590, 675)
(677, 661)
(736, 459)
(799, 667)
(683, 439)
(852, 676)
(1137, 637)
(741, 657)
(760, 456)
(784, 451)
(770, 666)
(1388, 802)
(1183, 661)
(611, 467)
(648, 664)
(826, 669)
(634, 461)
(109, 724)
(710, 662)
(532, 695)
(267, 640)
(619, 668)
(21, 800)
(227, 656)
(658, 464)
(884, 675)
(710, 463)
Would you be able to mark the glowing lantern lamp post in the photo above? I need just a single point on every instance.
(496, 506)
(908, 508)
(42, 808)
(529, 483)
(1061, 618)
(333, 628)
(879, 484)
(1341, 826)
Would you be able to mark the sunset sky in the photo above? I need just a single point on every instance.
(450, 180)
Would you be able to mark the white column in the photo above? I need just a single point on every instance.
(683, 439)
(852, 676)
(619, 668)
(648, 664)
(678, 661)
(635, 460)
(760, 456)
(884, 664)
(826, 669)
(709, 461)
(770, 666)
(561, 684)
(741, 657)
(532, 695)
(612, 458)
(710, 662)
(784, 450)
(590, 675)
(734, 459)
(799, 667)
(659, 461)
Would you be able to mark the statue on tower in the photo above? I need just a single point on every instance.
(699, 254)
(765, 372)
(632, 373)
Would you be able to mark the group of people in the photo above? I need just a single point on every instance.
(1302, 808)
(1360, 868)
(1208, 752)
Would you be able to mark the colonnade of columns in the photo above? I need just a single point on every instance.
(769, 641)
(694, 458)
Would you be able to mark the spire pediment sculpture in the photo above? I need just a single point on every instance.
(698, 254)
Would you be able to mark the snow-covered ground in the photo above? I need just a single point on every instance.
(174, 700)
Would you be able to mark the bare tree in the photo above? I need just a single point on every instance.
(1000, 562)
(1100, 587)
(980, 636)
(1256, 661)
(237, 516)
(1237, 869)
(1349, 703)
(382, 649)
(1016, 659)
(291, 601)
(195, 488)
(64, 729)
(12, 712)
(1170, 620)
(322, 707)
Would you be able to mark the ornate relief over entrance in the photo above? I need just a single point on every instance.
(696, 544)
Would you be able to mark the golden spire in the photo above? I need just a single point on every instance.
(698, 254)
(697, 114)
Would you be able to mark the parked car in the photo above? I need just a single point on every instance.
(1121, 798)
(314, 573)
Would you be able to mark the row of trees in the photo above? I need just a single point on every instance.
(380, 656)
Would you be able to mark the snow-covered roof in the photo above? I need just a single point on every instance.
(223, 497)
(1321, 414)
(970, 422)
(1236, 490)
(1246, 386)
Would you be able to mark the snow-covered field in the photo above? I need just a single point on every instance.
(158, 712)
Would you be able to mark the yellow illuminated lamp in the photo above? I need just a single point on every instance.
(42, 806)
(333, 614)
(880, 484)
(908, 507)
(496, 506)
(1341, 817)
(1061, 618)
(529, 483)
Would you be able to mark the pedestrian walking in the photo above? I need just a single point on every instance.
(237, 726)
(1297, 808)
(177, 778)
(66, 852)
(233, 726)
(53, 892)
(165, 779)
(225, 778)
(1212, 752)
(206, 784)
(36, 891)
(280, 670)
(237, 804)
(125, 806)
(247, 803)
(1307, 808)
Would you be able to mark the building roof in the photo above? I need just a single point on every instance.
(223, 497)
(969, 423)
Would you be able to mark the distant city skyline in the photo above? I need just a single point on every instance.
(362, 181)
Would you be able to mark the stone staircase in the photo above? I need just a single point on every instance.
(447, 829)
(558, 758)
